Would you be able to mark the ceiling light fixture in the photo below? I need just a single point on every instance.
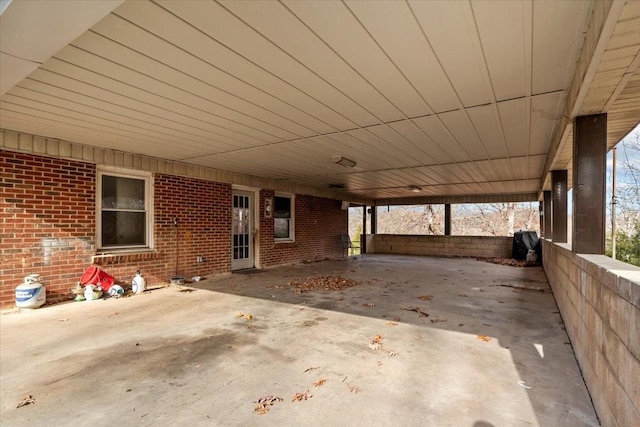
(343, 161)
(415, 188)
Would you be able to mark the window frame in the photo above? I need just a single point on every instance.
(147, 177)
(292, 227)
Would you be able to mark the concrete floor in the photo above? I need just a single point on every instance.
(170, 358)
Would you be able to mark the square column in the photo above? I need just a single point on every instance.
(447, 219)
(559, 206)
(547, 213)
(589, 175)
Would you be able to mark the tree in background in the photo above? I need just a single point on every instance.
(627, 201)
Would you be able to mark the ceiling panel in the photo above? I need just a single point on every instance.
(215, 21)
(486, 122)
(458, 97)
(514, 116)
(313, 52)
(415, 61)
(554, 61)
(339, 28)
(505, 34)
(460, 127)
(451, 23)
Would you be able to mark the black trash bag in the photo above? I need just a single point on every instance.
(523, 241)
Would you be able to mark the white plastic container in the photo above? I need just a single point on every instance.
(92, 293)
(138, 284)
(31, 293)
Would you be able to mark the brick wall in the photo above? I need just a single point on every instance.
(48, 227)
(318, 225)
(203, 211)
(471, 246)
(599, 299)
(48, 222)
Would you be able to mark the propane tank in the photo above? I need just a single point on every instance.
(138, 284)
(31, 293)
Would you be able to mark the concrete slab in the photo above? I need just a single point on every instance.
(486, 355)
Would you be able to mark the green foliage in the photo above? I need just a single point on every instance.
(356, 239)
(627, 246)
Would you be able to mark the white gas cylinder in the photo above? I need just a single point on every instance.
(31, 293)
(138, 284)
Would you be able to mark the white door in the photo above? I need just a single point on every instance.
(242, 231)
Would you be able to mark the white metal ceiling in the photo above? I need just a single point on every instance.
(455, 97)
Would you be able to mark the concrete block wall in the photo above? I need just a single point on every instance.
(468, 246)
(48, 227)
(599, 299)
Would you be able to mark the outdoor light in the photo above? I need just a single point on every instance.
(415, 188)
(343, 161)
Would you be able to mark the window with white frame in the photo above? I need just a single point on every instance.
(283, 217)
(124, 210)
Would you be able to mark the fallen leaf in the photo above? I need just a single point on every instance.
(115, 313)
(391, 324)
(438, 320)
(320, 382)
(421, 313)
(425, 297)
(188, 291)
(373, 346)
(484, 338)
(368, 304)
(265, 403)
(353, 388)
(325, 283)
(239, 314)
(378, 363)
(248, 317)
(27, 400)
(377, 339)
(299, 397)
(311, 369)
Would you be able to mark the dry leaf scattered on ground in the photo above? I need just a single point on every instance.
(265, 403)
(421, 312)
(353, 388)
(27, 400)
(324, 283)
(484, 338)
(507, 261)
(425, 297)
(320, 382)
(299, 397)
(391, 324)
(311, 369)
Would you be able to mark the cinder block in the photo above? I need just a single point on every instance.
(634, 333)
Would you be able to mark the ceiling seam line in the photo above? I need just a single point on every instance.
(82, 105)
(265, 70)
(153, 94)
(185, 92)
(200, 80)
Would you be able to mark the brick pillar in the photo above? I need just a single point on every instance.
(589, 175)
(559, 206)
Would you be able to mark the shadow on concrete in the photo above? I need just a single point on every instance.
(462, 296)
